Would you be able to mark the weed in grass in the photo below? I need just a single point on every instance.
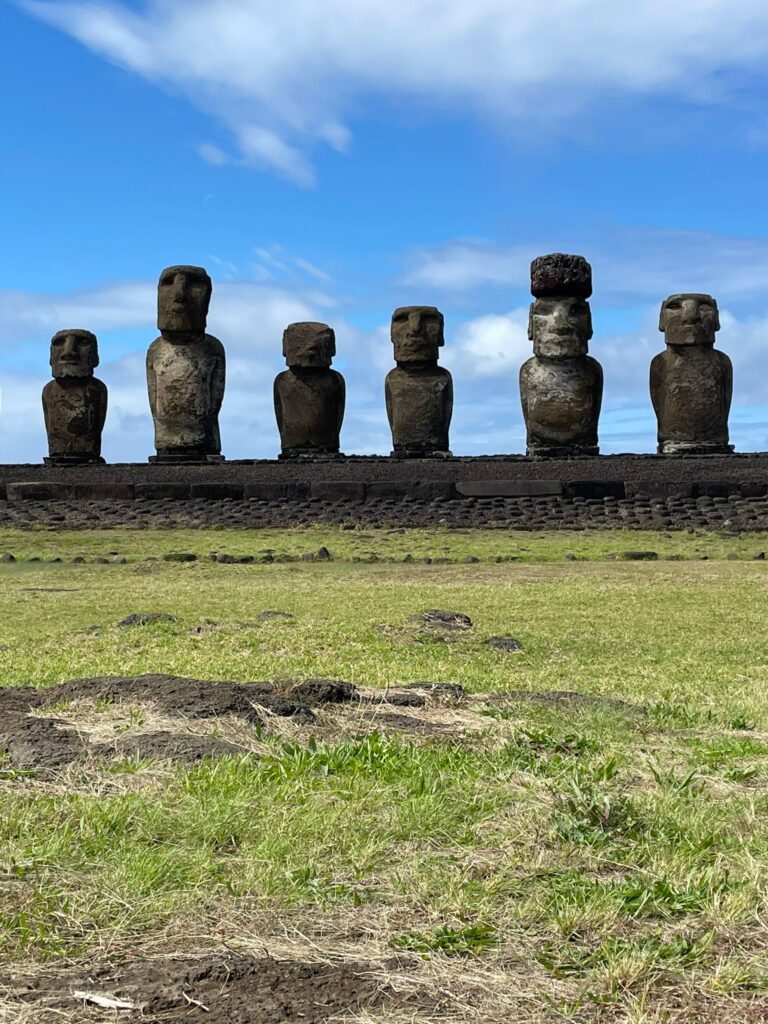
(469, 940)
(646, 955)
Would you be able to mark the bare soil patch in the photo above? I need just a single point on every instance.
(83, 721)
(213, 989)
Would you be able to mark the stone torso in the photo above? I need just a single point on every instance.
(561, 401)
(420, 405)
(309, 406)
(186, 384)
(691, 392)
(75, 410)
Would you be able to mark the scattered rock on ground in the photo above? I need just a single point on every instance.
(639, 556)
(504, 643)
(145, 618)
(444, 619)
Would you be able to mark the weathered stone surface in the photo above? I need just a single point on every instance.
(185, 370)
(508, 488)
(561, 387)
(74, 402)
(559, 273)
(419, 393)
(309, 396)
(691, 382)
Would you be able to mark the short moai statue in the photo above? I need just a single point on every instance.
(309, 395)
(691, 382)
(74, 402)
(419, 393)
(561, 387)
(185, 370)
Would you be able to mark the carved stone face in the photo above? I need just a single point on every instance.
(183, 296)
(560, 328)
(309, 344)
(74, 353)
(689, 319)
(417, 334)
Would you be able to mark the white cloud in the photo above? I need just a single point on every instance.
(627, 264)
(299, 68)
(493, 344)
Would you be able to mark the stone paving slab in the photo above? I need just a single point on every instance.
(734, 514)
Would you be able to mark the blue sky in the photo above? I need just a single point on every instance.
(333, 159)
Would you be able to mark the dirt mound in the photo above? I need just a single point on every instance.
(171, 746)
(192, 698)
(215, 990)
(315, 692)
(30, 742)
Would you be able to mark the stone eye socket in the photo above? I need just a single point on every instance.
(675, 304)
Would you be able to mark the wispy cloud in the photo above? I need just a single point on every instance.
(628, 265)
(284, 76)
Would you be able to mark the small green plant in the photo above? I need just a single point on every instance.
(469, 940)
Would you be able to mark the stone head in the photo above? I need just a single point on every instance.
(689, 319)
(417, 334)
(309, 344)
(560, 320)
(183, 297)
(74, 353)
(560, 328)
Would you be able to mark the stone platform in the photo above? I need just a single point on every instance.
(512, 492)
(366, 479)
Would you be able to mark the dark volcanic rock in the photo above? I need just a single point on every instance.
(145, 618)
(504, 643)
(444, 619)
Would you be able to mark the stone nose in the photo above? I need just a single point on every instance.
(179, 287)
(560, 317)
(69, 349)
(690, 311)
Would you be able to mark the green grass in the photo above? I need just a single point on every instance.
(620, 858)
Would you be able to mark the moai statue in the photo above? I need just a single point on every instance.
(561, 387)
(185, 370)
(419, 393)
(309, 395)
(691, 382)
(74, 402)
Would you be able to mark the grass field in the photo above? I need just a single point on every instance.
(527, 861)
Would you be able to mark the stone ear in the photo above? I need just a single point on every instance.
(717, 318)
(662, 311)
(530, 321)
(589, 320)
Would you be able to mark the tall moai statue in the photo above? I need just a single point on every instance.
(309, 395)
(561, 387)
(185, 370)
(74, 402)
(419, 393)
(691, 382)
